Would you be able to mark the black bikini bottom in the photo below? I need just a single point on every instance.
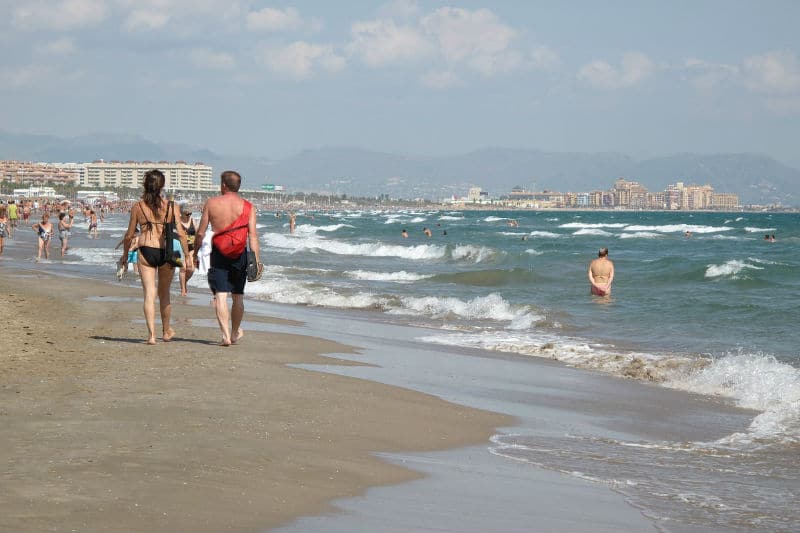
(155, 257)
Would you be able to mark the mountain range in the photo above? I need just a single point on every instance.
(345, 170)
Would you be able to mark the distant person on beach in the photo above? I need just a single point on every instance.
(64, 227)
(4, 227)
(292, 222)
(45, 231)
(26, 212)
(427, 232)
(150, 214)
(601, 274)
(92, 225)
(404, 234)
(772, 238)
(233, 220)
(13, 217)
(191, 231)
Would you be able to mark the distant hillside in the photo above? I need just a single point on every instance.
(756, 178)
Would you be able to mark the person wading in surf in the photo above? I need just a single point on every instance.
(601, 274)
(233, 221)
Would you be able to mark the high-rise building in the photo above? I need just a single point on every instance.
(725, 201)
(180, 175)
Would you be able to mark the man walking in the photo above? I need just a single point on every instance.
(233, 221)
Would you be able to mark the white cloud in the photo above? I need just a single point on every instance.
(59, 47)
(635, 68)
(146, 20)
(543, 57)
(300, 60)
(440, 79)
(382, 42)
(271, 19)
(707, 76)
(475, 39)
(402, 9)
(205, 58)
(60, 15)
(774, 72)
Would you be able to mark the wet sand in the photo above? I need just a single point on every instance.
(100, 432)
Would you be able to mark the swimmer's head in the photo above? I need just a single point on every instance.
(603, 252)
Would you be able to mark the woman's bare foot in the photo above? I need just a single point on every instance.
(168, 334)
(151, 340)
(238, 336)
(225, 342)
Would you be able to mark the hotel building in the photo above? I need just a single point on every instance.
(180, 175)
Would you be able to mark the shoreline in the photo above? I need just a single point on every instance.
(105, 433)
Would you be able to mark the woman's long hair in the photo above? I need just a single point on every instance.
(153, 183)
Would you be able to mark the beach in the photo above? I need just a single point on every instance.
(103, 433)
(462, 383)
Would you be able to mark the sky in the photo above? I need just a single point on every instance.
(418, 77)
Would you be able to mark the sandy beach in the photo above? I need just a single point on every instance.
(103, 433)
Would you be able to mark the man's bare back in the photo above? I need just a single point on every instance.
(223, 210)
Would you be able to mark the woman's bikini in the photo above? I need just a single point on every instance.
(44, 234)
(155, 257)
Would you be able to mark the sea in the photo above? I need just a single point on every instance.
(701, 303)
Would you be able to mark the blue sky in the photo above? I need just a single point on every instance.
(421, 77)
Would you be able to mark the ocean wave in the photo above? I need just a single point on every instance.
(755, 381)
(488, 278)
(760, 230)
(532, 251)
(309, 229)
(95, 256)
(400, 277)
(593, 231)
(377, 249)
(450, 217)
(730, 268)
(472, 254)
(545, 234)
(587, 225)
(417, 220)
(491, 307)
(679, 228)
(495, 219)
(640, 235)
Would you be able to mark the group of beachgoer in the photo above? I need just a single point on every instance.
(233, 222)
(44, 228)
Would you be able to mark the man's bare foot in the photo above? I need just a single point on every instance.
(238, 336)
(168, 335)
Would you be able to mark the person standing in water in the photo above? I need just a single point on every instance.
(64, 227)
(292, 222)
(45, 231)
(601, 274)
(4, 227)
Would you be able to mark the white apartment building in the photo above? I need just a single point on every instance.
(180, 175)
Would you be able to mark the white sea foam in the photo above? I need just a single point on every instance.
(739, 219)
(579, 225)
(755, 381)
(513, 233)
(640, 235)
(309, 229)
(760, 230)
(417, 220)
(592, 231)
(730, 268)
(472, 254)
(494, 219)
(316, 244)
(449, 217)
(552, 219)
(678, 228)
(531, 251)
(95, 256)
(490, 307)
(545, 234)
(399, 277)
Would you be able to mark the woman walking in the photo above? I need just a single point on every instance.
(64, 227)
(45, 231)
(188, 226)
(5, 227)
(151, 214)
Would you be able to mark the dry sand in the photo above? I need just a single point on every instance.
(99, 432)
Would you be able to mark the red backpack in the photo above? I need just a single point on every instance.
(232, 241)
